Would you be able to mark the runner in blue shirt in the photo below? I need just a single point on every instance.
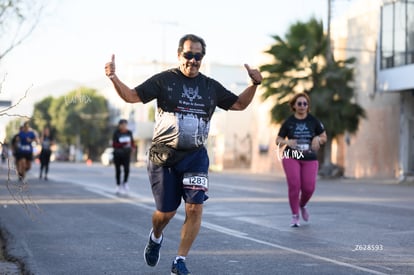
(24, 150)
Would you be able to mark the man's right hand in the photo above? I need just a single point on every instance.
(110, 67)
(127, 94)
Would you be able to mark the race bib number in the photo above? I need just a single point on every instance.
(25, 148)
(303, 147)
(125, 139)
(196, 181)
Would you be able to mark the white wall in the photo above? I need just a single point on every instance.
(396, 79)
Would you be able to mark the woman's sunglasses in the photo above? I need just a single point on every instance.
(302, 103)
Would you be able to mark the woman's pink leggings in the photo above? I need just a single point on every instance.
(301, 179)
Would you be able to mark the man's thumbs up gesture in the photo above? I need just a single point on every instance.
(110, 67)
(254, 74)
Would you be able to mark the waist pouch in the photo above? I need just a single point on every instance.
(163, 155)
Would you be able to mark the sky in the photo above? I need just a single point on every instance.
(75, 38)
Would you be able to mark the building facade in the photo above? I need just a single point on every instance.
(395, 68)
(380, 35)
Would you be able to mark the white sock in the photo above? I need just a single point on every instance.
(179, 257)
(156, 240)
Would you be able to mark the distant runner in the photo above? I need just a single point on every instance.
(123, 143)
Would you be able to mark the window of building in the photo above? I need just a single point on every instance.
(397, 33)
(410, 36)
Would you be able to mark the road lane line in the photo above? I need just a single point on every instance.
(221, 229)
(292, 250)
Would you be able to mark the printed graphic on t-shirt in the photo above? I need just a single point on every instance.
(303, 136)
(192, 102)
(190, 93)
(188, 126)
(46, 144)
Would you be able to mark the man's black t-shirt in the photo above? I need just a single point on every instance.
(303, 130)
(185, 106)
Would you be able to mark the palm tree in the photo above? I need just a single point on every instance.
(300, 65)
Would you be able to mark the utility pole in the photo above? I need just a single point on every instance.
(327, 150)
(328, 35)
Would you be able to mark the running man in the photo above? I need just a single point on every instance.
(24, 150)
(178, 165)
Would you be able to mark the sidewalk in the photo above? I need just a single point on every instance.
(7, 266)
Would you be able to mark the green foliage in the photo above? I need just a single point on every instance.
(333, 99)
(41, 116)
(12, 128)
(299, 65)
(80, 117)
(151, 114)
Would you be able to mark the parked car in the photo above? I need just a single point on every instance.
(60, 154)
(107, 157)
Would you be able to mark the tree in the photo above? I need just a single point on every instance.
(151, 113)
(18, 19)
(82, 117)
(300, 65)
(41, 116)
(13, 127)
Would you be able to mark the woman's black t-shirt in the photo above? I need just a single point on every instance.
(303, 131)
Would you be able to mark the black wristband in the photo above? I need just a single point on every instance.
(256, 82)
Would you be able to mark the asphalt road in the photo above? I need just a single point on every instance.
(75, 224)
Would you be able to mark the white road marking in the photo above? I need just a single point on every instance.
(107, 192)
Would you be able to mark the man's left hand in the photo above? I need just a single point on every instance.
(254, 74)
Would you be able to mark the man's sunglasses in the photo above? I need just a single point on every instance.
(190, 55)
(302, 103)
